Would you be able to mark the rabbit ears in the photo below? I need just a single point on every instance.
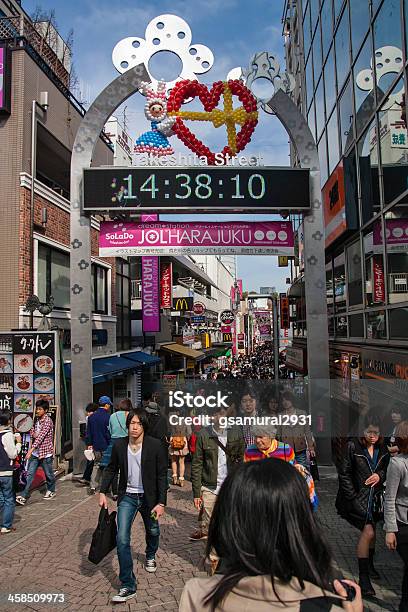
(148, 90)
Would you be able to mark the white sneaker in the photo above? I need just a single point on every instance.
(123, 595)
(6, 530)
(49, 495)
(20, 500)
(151, 566)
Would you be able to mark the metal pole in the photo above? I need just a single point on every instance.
(32, 194)
(275, 339)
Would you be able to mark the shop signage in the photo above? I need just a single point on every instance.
(190, 364)
(166, 287)
(150, 294)
(295, 358)
(396, 231)
(283, 261)
(210, 188)
(29, 371)
(188, 336)
(169, 381)
(227, 317)
(387, 367)
(378, 279)
(198, 308)
(227, 337)
(198, 319)
(183, 304)
(339, 205)
(301, 246)
(5, 79)
(226, 329)
(284, 311)
(241, 336)
(269, 238)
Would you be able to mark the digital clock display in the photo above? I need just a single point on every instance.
(205, 189)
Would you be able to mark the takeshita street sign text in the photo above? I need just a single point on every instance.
(217, 189)
(268, 238)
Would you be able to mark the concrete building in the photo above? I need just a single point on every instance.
(122, 143)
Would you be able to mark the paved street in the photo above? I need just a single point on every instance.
(48, 553)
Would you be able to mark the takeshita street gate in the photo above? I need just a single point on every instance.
(130, 57)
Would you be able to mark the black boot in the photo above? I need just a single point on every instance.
(364, 581)
(372, 571)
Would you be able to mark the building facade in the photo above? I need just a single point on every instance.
(349, 59)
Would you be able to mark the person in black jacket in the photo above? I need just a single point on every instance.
(142, 463)
(362, 471)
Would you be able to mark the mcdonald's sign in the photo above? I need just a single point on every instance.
(227, 337)
(183, 304)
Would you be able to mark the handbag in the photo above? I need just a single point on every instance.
(104, 537)
(314, 469)
(178, 443)
(378, 505)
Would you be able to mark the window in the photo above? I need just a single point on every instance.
(376, 324)
(311, 120)
(322, 149)
(99, 292)
(363, 86)
(341, 327)
(330, 81)
(360, 19)
(387, 33)
(342, 49)
(123, 334)
(53, 162)
(394, 143)
(356, 326)
(354, 277)
(309, 79)
(329, 289)
(333, 142)
(53, 276)
(399, 323)
(317, 55)
(327, 26)
(346, 117)
(320, 111)
(367, 148)
(314, 12)
(340, 283)
(396, 238)
(307, 37)
(337, 8)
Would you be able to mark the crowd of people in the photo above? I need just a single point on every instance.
(237, 472)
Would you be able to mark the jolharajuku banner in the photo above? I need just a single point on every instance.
(239, 238)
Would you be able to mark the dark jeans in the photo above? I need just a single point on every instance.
(7, 501)
(402, 550)
(129, 506)
(88, 471)
(33, 465)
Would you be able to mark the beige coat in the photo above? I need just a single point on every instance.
(252, 594)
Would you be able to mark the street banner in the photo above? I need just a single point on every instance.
(166, 287)
(378, 287)
(150, 294)
(238, 238)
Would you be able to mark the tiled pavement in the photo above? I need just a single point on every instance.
(48, 553)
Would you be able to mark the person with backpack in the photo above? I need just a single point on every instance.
(178, 449)
(10, 447)
(396, 506)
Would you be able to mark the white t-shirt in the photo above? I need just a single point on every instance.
(134, 481)
(222, 462)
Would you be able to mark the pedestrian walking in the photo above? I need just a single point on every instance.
(249, 410)
(361, 472)
(141, 462)
(218, 450)
(272, 553)
(178, 447)
(158, 424)
(297, 434)
(98, 437)
(10, 448)
(396, 504)
(117, 429)
(41, 452)
(86, 477)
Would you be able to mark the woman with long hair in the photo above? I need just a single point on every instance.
(272, 553)
(396, 506)
(362, 471)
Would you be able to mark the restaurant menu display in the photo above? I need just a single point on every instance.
(28, 372)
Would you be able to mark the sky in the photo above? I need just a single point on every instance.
(234, 30)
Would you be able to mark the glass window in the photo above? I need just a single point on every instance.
(354, 278)
(356, 326)
(329, 289)
(337, 7)
(376, 325)
(333, 141)
(42, 290)
(309, 79)
(330, 81)
(360, 19)
(387, 33)
(346, 117)
(322, 149)
(314, 12)
(320, 110)
(60, 278)
(311, 120)
(341, 327)
(399, 323)
(340, 283)
(100, 283)
(368, 167)
(317, 55)
(396, 238)
(307, 37)
(327, 26)
(394, 143)
(363, 86)
(342, 49)
(374, 270)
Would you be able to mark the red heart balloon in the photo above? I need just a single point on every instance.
(183, 90)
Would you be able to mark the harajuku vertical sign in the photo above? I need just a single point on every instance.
(150, 294)
(166, 286)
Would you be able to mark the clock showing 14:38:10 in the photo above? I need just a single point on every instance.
(210, 188)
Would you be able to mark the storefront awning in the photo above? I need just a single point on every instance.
(214, 351)
(105, 368)
(183, 351)
(144, 359)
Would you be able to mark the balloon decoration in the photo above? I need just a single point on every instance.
(245, 116)
(155, 140)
